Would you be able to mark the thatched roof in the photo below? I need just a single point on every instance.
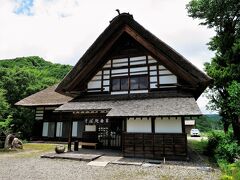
(46, 97)
(136, 108)
(124, 23)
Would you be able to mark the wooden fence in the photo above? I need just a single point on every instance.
(155, 145)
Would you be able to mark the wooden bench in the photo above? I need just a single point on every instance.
(88, 144)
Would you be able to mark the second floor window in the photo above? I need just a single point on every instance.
(136, 83)
(120, 84)
(139, 82)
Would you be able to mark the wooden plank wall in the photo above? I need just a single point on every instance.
(155, 145)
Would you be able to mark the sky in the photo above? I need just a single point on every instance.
(61, 31)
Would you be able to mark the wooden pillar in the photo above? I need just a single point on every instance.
(183, 124)
(55, 129)
(70, 134)
(125, 125)
(153, 124)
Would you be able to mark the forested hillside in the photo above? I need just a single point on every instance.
(19, 78)
(209, 122)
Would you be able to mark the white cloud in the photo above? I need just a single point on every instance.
(62, 30)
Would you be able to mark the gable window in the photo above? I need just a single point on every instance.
(139, 82)
(136, 83)
(120, 84)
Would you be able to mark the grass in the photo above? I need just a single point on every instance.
(198, 146)
(39, 146)
(230, 171)
(29, 150)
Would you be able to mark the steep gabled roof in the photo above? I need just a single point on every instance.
(124, 23)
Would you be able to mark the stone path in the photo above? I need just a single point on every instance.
(104, 160)
(72, 156)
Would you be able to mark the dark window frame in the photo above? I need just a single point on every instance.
(120, 78)
(139, 80)
(129, 81)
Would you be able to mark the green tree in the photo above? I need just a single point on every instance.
(224, 17)
(234, 99)
(4, 106)
(5, 115)
(19, 78)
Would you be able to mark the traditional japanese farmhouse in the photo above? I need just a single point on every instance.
(129, 91)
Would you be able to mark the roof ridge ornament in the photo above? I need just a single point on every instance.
(118, 11)
(121, 15)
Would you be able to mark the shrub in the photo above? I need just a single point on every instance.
(213, 140)
(230, 171)
(222, 146)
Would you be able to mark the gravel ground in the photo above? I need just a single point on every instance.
(37, 168)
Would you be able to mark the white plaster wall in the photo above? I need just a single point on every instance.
(121, 64)
(38, 118)
(108, 64)
(166, 125)
(39, 113)
(153, 67)
(119, 92)
(90, 127)
(120, 60)
(153, 73)
(164, 72)
(137, 63)
(119, 71)
(106, 88)
(137, 58)
(106, 82)
(97, 77)
(168, 79)
(106, 72)
(161, 67)
(151, 59)
(94, 84)
(153, 79)
(139, 73)
(138, 69)
(39, 108)
(138, 91)
(139, 125)
(153, 85)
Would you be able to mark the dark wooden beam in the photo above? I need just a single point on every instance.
(70, 136)
(148, 69)
(153, 124)
(183, 124)
(161, 57)
(158, 79)
(125, 125)
(129, 81)
(92, 63)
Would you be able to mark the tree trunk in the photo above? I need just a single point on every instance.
(236, 128)
(225, 126)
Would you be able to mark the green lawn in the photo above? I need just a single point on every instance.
(198, 146)
(29, 150)
(39, 146)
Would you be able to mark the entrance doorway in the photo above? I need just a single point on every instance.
(110, 133)
(106, 131)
